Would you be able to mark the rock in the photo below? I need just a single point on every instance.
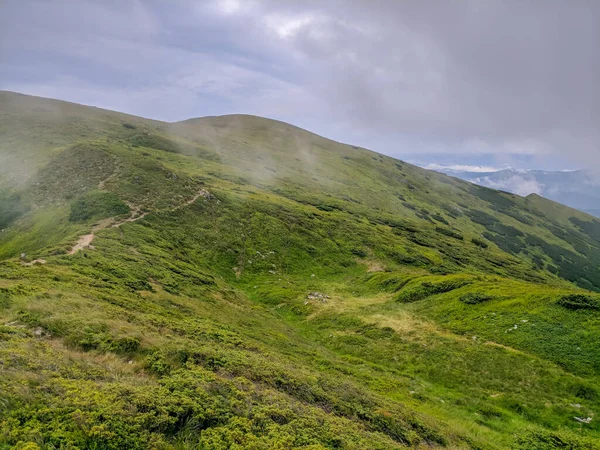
(317, 296)
(207, 195)
(39, 332)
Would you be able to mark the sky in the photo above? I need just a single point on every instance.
(468, 82)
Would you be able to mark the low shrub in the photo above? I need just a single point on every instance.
(97, 205)
(440, 219)
(428, 288)
(450, 233)
(540, 439)
(578, 301)
(474, 298)
(479, 242)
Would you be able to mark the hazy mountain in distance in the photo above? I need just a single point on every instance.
(575, 188)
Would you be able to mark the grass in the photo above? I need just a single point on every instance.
(281, 291)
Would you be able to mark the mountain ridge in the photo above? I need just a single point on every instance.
(262, 287)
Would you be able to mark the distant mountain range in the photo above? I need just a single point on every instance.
(575, 188)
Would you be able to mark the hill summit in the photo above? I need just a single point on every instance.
(238, 282)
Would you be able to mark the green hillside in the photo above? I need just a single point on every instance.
(237, 282)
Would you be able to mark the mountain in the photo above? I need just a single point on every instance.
(238, 282)
(576, 188)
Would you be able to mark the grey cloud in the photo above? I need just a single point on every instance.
(495, 70)
(402, 77)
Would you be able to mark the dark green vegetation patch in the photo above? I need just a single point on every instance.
(97, 205)
(450, 233)
(422, 290)
(11, 208)
(474, 298)
(479, 242)
(579, 301)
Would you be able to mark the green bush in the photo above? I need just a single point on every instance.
(428, 288)
(579, 301)
(479, 242)
(481, 217)
(450, 233)
(474, 298)
(97, 205)
(440, 219)
(126, 345)
(539, 439)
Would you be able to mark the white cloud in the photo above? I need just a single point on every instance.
(517, 184)
(462, 168)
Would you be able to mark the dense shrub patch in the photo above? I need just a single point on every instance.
(579, 301)
(97, 205)
(11, 208)
(481, 217)
(479, 242)
(440, 219)
(514, 245)
(428, 288)
(473, 298)
(540, 439)
(498, 199)
(591, 228)
(450, 233)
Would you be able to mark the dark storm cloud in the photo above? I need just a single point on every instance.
(502, 78)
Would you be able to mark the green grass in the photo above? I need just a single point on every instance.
(274, 289)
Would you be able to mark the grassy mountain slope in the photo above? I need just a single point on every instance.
(237, 282)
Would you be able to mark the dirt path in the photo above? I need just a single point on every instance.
(35, 261)
(85, 241)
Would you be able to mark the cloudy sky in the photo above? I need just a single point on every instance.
(478, 82)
